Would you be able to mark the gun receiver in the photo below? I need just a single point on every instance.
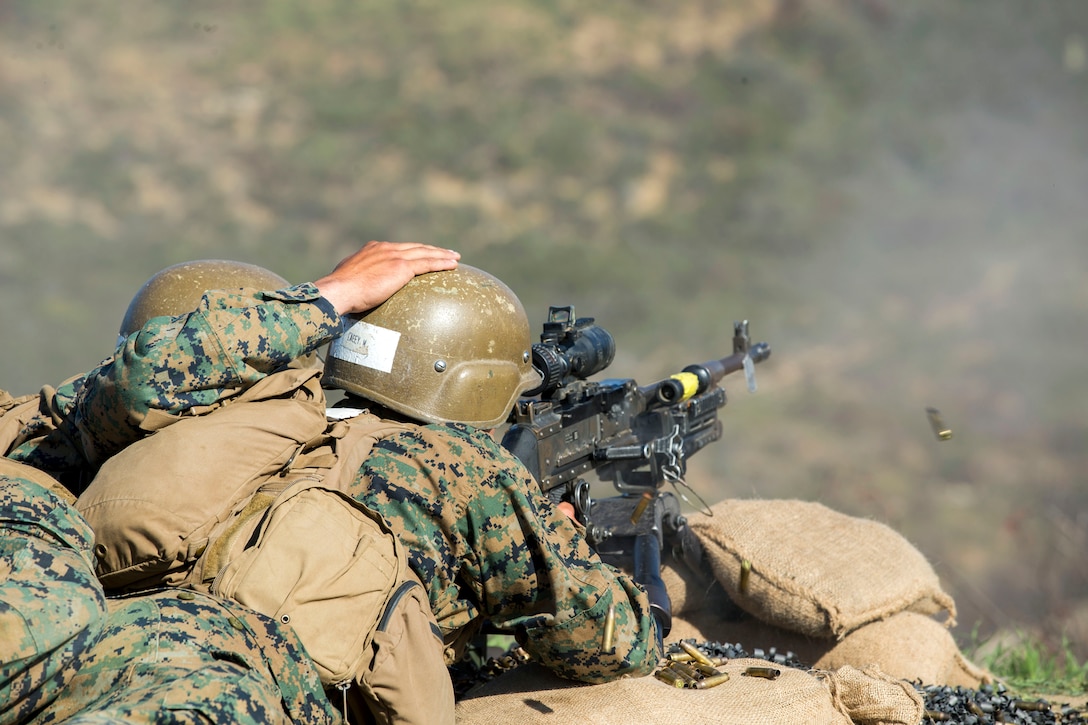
(637, 437)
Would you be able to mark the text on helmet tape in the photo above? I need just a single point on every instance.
(367, 345)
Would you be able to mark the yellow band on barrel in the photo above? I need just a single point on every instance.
(690, 383)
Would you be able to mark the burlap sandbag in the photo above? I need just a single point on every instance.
(870, 697)
(531, 694)
(906, 646)
(813, 570)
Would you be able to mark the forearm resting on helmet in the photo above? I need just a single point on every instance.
(370, 276)
(186, 364)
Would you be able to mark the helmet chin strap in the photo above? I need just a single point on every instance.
(353, 405)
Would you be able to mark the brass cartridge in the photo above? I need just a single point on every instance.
(608, 636)
(712, 681)
(745, 572)
(767, 673)
(695, 653)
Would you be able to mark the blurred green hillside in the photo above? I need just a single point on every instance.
(892, 193)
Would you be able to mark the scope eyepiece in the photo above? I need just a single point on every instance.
(569, 348)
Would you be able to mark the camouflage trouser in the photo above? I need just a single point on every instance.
(51, 605)
(181, 657)
(69, 654)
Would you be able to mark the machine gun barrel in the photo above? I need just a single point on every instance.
(711, 372)
(696, 379)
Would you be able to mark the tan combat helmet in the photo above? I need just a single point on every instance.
(450, 346)
(178, 288)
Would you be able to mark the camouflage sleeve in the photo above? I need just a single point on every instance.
(188, 363)
(486, 542)
(29, 431)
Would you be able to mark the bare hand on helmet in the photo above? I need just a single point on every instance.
(371, 275)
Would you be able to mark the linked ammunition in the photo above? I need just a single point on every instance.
(767, 673)
(940, 430)
(695, 653)
(745, 571)
(713, 681)
(609, 634)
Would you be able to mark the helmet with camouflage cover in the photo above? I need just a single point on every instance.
(451, 346)
(177, 289)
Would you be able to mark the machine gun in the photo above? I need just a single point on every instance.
(639, 437)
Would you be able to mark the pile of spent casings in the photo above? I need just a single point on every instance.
(988, 705)
(692, 665)
(992, 704)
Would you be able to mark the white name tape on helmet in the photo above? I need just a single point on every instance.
(367, 345)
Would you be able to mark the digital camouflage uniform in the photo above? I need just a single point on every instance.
(66, 651)
(481, 537)
(53, 615)
(488, 545)
(51, 605)
(183, 657)
(29, 431)
(178, 367)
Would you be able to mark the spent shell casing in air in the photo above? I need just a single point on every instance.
(942, 431)
(640, 507)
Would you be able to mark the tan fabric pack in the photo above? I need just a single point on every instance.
(334, 571)
(808, 569)
(15, 412)
(250, 502)
(154, 505)
(317, 535)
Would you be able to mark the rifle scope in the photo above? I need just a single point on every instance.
(570, 348)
